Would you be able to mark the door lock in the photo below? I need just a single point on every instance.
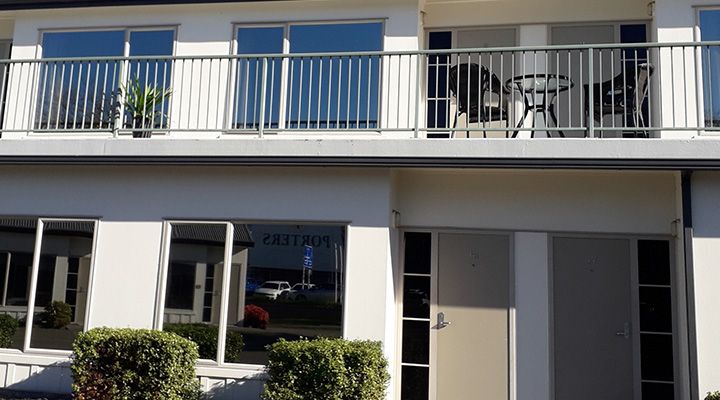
(625, 332)
(441, 323)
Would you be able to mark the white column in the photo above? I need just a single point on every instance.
(675, 22)
(532, 316)
(369, 294)
(125, 249)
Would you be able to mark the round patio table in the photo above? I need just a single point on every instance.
(539, 94)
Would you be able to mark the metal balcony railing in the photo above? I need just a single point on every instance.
(614, 90)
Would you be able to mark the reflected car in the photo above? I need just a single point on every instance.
(272, 289)
(295, 289)
(323, 293)
(251, 286)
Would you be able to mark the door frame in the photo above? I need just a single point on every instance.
(635, 300)
(434, 269)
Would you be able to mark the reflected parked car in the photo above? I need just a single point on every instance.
(272, 289)
(295, 289)
(251, 286)
(323, 293)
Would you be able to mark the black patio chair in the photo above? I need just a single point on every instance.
(473, 85)
(624, 95)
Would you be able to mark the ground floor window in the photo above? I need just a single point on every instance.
(235, 288)
(45, 269)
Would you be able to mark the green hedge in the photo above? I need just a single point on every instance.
(206, 337)
(133, 364)
(329, 369)
(713, 396)
(57, 315)
(8, 327)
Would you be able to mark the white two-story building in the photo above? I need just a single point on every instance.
(519, 198)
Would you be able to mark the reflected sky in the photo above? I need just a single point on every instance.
(710, 31)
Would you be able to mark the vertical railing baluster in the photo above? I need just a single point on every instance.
(590, 120)
(263, 95)
(329, 92)
(418, 94)
(40, 118)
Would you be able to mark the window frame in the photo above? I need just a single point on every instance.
(285, 65)
(127, 29)
(32, 290)
(699, 69)
(226, 278)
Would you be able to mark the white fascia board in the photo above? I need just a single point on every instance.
(581, 149)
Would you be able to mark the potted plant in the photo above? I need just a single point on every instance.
(143, 104)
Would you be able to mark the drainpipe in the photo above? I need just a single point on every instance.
(687, 220)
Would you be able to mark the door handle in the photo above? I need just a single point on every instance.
(625, 332)
(441, 323)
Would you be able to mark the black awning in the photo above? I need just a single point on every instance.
(211, 234)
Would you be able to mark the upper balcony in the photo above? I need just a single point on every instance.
(482, 73)
(631, 90)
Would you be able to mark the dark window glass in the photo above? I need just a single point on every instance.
(151, 73)
(181, 282)
(440, 40)
(194, 249)
(152, 43)
(347, 94)
(416, 297)
(83, 44)
(654, 262)
(658, 391)
(417, 253)
(657, 357)
(416, 342)
(261, 40)
(73, 265)
(415, 383)
(69, 96)
(710, 31)
(295, 274)
(17, 243)
(71, 297)
(437, 87)
(19, 279)
(62, 241)
(45, 282)
(655, 309)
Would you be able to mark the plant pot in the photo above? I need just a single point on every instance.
(142, 134)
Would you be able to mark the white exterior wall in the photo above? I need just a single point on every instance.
(706, 245)
(608, 202)
(448, 13)
(132, 203)
(534, 205)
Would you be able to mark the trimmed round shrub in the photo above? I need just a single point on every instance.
(206, 337)
(713, 396)
(8, 327)
(256, 317)
(133, 364)
(329, 369)
(57, 315)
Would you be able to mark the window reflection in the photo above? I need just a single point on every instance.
(710, 31)
(17, 244)
(194, 284)
(285, 295)
(62, 283)
(285, 281)
(75, 94)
